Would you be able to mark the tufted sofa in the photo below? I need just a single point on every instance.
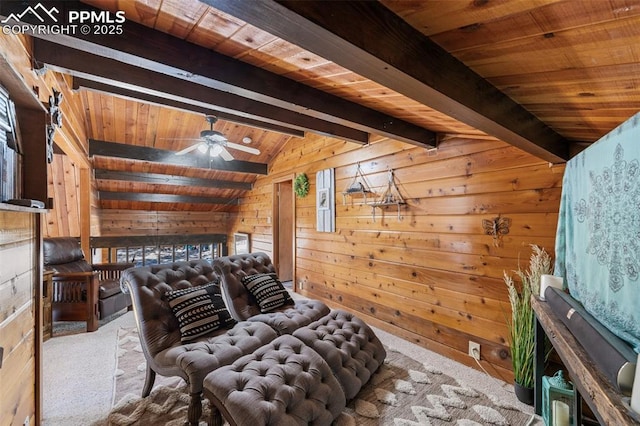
(242, 305)
(160, 336)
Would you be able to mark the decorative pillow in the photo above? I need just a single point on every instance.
(268, 291)
(199, 310)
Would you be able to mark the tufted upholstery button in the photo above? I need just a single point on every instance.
(243, 306)
(350, 347)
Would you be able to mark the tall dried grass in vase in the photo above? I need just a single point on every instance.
(522, 323)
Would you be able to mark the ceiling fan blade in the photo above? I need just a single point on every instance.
(244, 148)
(226, 156)
(189, 149)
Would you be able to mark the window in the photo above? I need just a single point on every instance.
(241, 244)
(143, 250)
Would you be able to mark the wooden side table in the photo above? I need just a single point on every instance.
(47, 289)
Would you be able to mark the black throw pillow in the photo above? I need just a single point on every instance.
(268, 291)
(199, 310)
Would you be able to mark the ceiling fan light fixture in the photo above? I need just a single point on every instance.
(213, 135)
(215, 144)
(215, 150)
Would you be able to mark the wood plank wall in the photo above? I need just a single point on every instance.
(17, 317)
(64, 187)
(64, 218)
(136, 222)
(432, 277)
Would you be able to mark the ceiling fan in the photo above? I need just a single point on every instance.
(215, 144)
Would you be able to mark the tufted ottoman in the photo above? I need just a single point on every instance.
(283, 383)
(348, 345)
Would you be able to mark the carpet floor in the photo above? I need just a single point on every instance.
(88, 374)
(78, 372)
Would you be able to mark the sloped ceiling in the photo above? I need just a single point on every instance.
(543, 75)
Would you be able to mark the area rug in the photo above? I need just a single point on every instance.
(131, 368)
(403, 392)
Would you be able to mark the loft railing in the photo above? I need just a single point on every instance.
(148, 250)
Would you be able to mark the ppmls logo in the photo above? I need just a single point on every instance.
(38, 11)
(39, 19)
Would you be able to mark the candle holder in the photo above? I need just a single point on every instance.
(557, 401)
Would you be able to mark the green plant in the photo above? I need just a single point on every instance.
(301, 185)
(522, 323)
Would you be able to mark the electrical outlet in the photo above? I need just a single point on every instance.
(474, 350)
(27, 422)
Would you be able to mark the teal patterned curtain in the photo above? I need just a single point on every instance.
(598, 237)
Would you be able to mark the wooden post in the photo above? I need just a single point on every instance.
(85, 211)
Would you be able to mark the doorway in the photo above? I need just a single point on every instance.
(284, 230)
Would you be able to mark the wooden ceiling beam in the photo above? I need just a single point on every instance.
(143, 153)
(82, 83)
(154, 50)
(163, 198)
(119, 74)
(369, 39)
(157, 178)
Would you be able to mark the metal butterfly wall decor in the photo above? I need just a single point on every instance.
(496, 227)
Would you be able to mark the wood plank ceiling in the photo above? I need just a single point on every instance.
(540, 74)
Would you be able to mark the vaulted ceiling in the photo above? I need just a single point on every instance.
(542, 75)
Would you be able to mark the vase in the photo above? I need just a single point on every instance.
(524, 394)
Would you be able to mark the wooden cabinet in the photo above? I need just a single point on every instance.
(19, 318)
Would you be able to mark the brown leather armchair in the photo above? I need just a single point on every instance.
(82, 291)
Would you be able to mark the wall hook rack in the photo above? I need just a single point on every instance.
(390, 197)
(357, 185)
